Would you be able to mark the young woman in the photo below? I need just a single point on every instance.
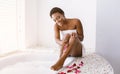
(72, 32)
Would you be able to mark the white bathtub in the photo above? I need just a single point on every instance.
(37, 62)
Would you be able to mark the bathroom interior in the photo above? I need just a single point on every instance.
(27, 42)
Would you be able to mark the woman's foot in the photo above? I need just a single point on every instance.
(56, 67)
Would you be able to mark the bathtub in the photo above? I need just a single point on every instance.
(37, 62)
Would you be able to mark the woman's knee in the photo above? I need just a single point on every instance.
(66, 37)
(72, 40)
(76, 41)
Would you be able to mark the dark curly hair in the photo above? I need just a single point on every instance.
(55, 10)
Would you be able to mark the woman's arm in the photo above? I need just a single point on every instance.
(57, 35)
(80, 30)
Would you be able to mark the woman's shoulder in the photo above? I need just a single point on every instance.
(56, 26)
(74, 20)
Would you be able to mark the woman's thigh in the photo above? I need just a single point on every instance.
(76, 50)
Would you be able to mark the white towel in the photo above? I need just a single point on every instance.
(67, 32)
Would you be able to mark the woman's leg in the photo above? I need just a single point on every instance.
(77, 49)
(66, 40)
(60, 62)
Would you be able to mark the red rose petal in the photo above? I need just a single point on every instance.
(74, 69)
(82, 62)
(69, 71)
(61, 73)
(78, 67)
(74, 65)
(77, 71)
(69, 67)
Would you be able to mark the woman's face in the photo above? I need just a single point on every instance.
(58, 18)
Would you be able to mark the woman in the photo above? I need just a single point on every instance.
(72, 32)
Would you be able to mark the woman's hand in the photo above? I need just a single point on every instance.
(72, 39)
(66, 40)
(74, 34)
(65, 43)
